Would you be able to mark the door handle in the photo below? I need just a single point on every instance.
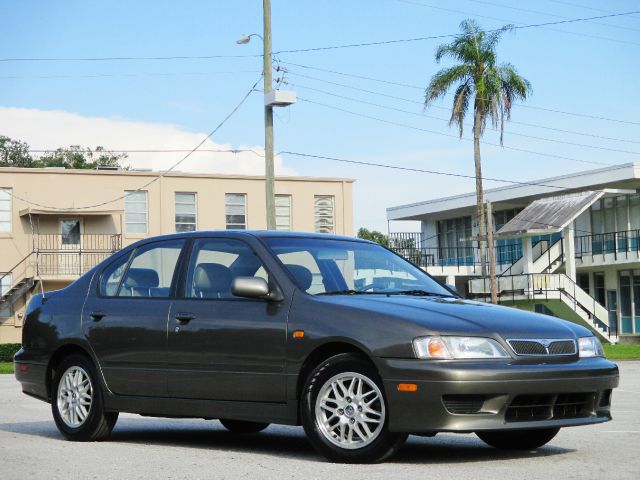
(97, 316)
(184, 317)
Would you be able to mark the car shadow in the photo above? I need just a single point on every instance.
(285, 441)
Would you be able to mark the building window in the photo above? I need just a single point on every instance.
(5, 210)
(323, 213)
(186, 212)
(135, 212)
(235, 209)
(283, 212)
(455, 246)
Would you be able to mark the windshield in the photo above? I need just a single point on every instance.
(335, 267)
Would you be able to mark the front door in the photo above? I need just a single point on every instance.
(69, 261)
(125, 318)
(223, 347)
(612, 307)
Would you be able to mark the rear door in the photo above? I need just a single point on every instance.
(125, 319)
(223, 347)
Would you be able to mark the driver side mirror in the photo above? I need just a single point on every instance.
(255, 287)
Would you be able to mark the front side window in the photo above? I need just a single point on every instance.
(215, 262)
(324, 214)
(135, 212)
(321, 266)
(5, 210)
(186, 212)
(235, 211)
(150, 272)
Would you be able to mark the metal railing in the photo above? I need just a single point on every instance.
(547, 286)
(459, 257)
(619, 244)
(88, 242)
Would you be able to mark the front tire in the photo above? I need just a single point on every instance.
(345, 413)
(241, 426)
(76, 401)
(518, 439)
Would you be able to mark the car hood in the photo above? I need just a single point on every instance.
(461, 317)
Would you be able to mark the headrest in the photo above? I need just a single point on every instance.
(142, 277)
(303, 276)
(212, 277)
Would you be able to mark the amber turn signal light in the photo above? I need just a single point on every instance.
(298, 334)
(407, 387)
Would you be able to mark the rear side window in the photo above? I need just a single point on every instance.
(112, 277)
(150, 273)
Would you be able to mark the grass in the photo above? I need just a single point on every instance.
(622, 352)
(6, 367)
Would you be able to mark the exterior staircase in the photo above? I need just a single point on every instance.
(16, 291)
(546, 259)
(546, 287)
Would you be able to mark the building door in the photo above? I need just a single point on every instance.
(70, 245)
(612, 307)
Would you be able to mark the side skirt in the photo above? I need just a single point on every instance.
(279, 413)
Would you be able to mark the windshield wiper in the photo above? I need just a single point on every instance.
(420, 293)
(347, 292)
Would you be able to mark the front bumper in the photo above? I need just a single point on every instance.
(463, 396)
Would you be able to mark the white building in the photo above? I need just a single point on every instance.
(567, 245)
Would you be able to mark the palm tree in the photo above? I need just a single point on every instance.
(479, 79)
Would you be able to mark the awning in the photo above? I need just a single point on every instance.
(549, 215)
(69, 211)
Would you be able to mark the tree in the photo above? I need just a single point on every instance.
(374, 236)
(478, 79)
(80, 158)
(15, 153)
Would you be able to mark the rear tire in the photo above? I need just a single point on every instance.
(76, 401)
(345, 413)
(241, 426)
(518, 439)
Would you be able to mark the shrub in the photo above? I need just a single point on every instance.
(8, 350)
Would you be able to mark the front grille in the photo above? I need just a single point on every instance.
(463, 404)
(528, 408)
(543, 347)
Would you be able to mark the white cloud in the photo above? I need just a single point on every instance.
(46, 129)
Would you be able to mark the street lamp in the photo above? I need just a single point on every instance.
(271, 99)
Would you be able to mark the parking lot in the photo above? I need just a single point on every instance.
(31, 447)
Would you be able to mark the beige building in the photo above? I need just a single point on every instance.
(64, 222)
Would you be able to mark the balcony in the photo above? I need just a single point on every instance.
(67, 257)
(608, 248)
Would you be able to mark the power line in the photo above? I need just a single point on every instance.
(549, 14)
(423, 115)
(416, 87)
(519, 25)
(394, 97)
(125, 75)
(433, 172)
(161, 175)
(315, 49)
(151, 150)
(413, 127)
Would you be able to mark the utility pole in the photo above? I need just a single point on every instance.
(492, 255)
(269, 175)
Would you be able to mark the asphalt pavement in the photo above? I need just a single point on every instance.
(32, 448)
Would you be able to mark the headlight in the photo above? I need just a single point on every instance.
(590, 347)
(458, 347)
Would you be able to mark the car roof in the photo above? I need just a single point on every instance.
(253, 233)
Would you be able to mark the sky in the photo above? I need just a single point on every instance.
(588, 70)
